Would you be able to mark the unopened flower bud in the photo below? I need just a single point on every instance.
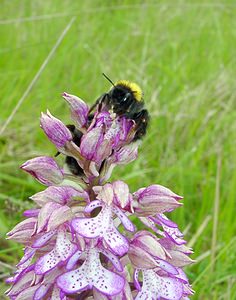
(44, 169)
(144, 249)
(79, 109)
(59, 194)
(155, 199)
(55, 130)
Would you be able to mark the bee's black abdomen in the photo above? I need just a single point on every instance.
(73, 166)
(70, 161)
(141, 119)
(75, 133)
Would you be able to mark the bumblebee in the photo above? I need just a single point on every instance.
(125, 98)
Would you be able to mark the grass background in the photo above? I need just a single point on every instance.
(182, 53)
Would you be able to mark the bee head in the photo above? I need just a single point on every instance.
(125, 97)
(124, 90)
(121, 95)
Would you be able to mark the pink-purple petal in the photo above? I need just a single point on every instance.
(73, 259)
(27, 293)
(43, 239)
(116, 241)
(121, 193)
(135, 279)
(88, 227)
(55, 130)
(62, 251)
(124, 219)
(31, 213)
(113, 259)
(59, 216)
(79, 109)
(41, 291)
(27, 224)
(164, 220)
(45, 214)
(21, 284)
(90, 143)
(92, 205)
(44, 169)
(164, 265)
(73, 281)
(155, 287)
(91, 274)
(28, 253)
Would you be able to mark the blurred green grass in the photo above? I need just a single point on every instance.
(182, 53)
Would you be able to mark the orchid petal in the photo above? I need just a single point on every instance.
(136, 281)
(155, 287)
(22, 283)
(62, 251)
(55, 130)
(113, 259)
(79, 109)
(106, 194)
(41, 291)
(59, 194)
(121, 192)
(164, 265)
(31, 212)
(92, 205)
(116, 241)
(73, 281)
(59, 216)
(45, 214)
(27, 293)
(124, 219)
(43, 239)
(90, 142)
(44, 169)
(28, 253)
(73, 259)
(91, 274)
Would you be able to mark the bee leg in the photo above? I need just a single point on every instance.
(104, 99)
(141, 119)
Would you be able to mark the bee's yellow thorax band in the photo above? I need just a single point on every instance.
(133, 87)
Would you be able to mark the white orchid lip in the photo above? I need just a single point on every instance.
(102, 227)
(91, 274)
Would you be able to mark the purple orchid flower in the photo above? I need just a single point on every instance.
(80, 238)
(91, 275)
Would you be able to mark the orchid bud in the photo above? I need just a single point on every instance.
(79, 109)
(144, 248)
(44, 169)
(55, 130)
(59, 194)
(155, 199)
(125, 154)
(90, 143)
(149, 243)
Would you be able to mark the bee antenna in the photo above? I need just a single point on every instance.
(108, 79)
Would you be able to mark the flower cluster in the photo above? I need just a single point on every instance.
(79, 240)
